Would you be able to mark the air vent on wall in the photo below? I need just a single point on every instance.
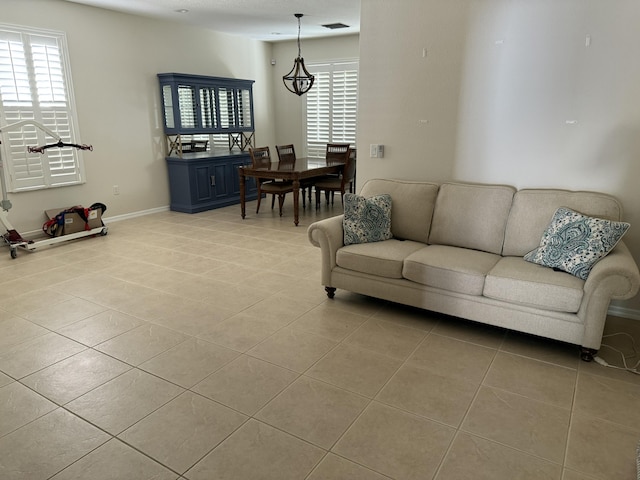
(334, 26)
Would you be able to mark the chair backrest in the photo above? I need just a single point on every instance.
(260, 157)
(286, 155)
(349, 171)
(337, 153)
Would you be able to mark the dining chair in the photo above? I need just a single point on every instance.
(287, 156)
(261, 158)
(340, 183)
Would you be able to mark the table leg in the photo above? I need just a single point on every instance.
(242, 193)
(296, 200)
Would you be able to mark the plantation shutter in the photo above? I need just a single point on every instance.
(331, 106)
(34, 85)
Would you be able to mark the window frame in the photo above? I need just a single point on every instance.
(333, 68)
(50, 102)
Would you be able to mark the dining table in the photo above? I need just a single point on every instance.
(301, 169)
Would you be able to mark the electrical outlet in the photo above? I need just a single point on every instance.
(116, 189)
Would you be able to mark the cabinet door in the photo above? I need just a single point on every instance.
(212, 182)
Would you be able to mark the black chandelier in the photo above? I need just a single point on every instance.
(298, 80)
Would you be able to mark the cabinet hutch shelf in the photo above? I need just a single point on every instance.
(209, 127)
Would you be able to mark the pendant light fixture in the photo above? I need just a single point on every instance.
(298, 80)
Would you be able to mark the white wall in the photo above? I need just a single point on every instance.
(508, 93)
(114, 60)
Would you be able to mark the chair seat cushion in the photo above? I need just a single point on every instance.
(328, 183)
(384, 259)
(455, 269)
(276, 187)
(515, 280)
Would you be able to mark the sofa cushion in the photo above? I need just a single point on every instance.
(532, 209)
(384, 259)
(450, 268)
(471, 216)
(574, 242)
(366, 220)
(515, 280)
(412, 206)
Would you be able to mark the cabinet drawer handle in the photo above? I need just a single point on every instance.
(213, 180)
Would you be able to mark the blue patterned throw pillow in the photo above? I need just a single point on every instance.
(574, 242)
(366, 219)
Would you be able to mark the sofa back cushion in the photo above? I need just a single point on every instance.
(411, 206)
(533, 209)
(471, 216)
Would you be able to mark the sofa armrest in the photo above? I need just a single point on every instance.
(328, 235)
(615, 276)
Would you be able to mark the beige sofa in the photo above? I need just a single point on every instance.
(458, 249)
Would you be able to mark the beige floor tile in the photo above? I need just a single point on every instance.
(121, 402)
(572, 475)
(33, 301)
(142, 343)
(293, 349)
(240, 332)
(279, 310)
(314, 411)
(354, 369)
(115, 461)
(534, 427)
(545, 350)
(386, 338)
(395, 443)
(257, 450)
(189, 362)
(65, 313)
(468, 331)
(15, 330)
(330, 322)
(246, 384)
(333, 467)
(453, 358)
(40, 352)
(5, 379)
(19, 406)
(408, 316)
(47, 445)
(419, 391)
(100, 328)
(608, 399)
(544, 382)
(75, 376)
(603, 449)
(480, 459)
(183, 431)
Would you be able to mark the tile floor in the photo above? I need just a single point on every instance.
(203, 347)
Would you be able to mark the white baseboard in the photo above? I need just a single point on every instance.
(140, 213)
(630, 313)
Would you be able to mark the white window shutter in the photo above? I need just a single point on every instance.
(35, 85)
(331, 106)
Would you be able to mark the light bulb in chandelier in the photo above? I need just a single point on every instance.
(298, 80)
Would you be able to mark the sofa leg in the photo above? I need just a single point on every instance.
(586, 354)
(331, 291)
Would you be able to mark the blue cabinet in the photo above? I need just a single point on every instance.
(208, 124)
(206, 180)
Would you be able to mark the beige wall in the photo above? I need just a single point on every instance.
(508, 92)
(114, 60)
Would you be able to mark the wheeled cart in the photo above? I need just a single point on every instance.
(31, 245)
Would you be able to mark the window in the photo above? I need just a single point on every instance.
(35, 84)
(331, 106)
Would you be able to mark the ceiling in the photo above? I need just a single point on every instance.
(267, 20)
